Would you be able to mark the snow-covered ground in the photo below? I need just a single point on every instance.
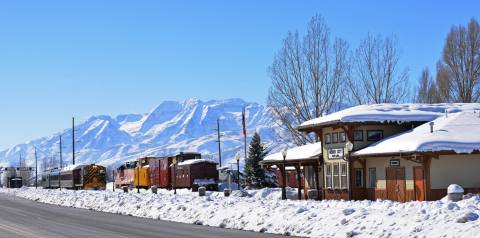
(263, 211)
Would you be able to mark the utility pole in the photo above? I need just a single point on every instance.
(36, 169)
(219, 143)
(60, 169)
(19, 165)
(113, 175)
(73, 140)
(45, 163)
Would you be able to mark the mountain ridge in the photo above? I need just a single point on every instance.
(169, 128)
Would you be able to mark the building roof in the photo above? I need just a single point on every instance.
(390, 113)
(458, 132)
(304, 152)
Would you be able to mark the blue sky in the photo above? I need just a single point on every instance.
(60, 59)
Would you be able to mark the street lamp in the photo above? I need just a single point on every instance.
(113, 175)
(284, 177)
(174, 162)
(138, 177)
(237, 157)
(36, 168)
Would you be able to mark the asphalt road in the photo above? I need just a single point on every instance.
(28, 219)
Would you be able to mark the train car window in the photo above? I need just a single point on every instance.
(66, 177)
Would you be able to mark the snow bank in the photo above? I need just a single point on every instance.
(263, 211)
(454, 188)
(203, 182)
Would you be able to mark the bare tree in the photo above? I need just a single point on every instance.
(308, 76)
(376, 77)
(442, 85)
(461, 59)
(426, 92)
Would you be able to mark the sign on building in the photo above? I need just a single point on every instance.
(336, 153)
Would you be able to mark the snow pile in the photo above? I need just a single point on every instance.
(196, 161)
(392, 113)
(298, 153)
(204, 182)
(263, 211)
(454, 188)
(457, 132)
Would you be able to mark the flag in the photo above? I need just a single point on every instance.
(243, 124)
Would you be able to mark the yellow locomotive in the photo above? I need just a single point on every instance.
(141, 176)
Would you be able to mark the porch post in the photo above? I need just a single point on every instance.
(317, 182)
(350, 172)
(299, 180)
(363, 162)
(426, 168)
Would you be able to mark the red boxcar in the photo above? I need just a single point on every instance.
(196, 172)
(160, 174)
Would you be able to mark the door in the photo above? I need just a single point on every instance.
(359, 191)
(418, 176)
(396, 183)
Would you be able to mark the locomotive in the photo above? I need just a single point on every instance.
(91, 177)
(124, 176)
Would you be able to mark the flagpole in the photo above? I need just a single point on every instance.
(244, 133)
(245, 144)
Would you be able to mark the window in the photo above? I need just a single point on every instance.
(336, 180)
(328, 139)
(375, 135)
(372, 175)
(358, 135)
(342, 136)
(358, 178)
(66, 177)
(394, 162)
(328, 176)
(344, 175)
(334, 137)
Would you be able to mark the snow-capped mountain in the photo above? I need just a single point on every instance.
(170, 128)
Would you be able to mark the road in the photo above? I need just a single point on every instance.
(28, 219)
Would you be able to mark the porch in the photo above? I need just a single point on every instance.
(304, 163)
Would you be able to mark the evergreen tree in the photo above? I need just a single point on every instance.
(254, 175)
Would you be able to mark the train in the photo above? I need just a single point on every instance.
(15, 177)
(190, 171)
(124, 175)
(88, 177)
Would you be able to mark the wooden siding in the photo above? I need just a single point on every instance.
(374, 194)
(336, 194)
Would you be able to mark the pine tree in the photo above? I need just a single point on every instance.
(254, 175)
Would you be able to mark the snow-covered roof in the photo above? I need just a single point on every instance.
(73, 167)
(196, 161)
(459, 132)
(386, 112)
(310, 151)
